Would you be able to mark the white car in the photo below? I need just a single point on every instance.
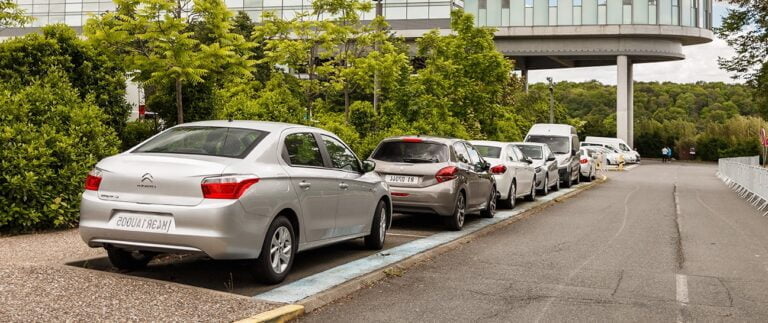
(544, 160)
(514, 173)
(612, 155)
(587, 162)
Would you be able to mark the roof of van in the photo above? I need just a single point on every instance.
(552, 129)
(602, 139)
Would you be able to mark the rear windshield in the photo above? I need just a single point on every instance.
(411, 152)
(488, 151)
(531, 151)
(210, 141)
(558, 145)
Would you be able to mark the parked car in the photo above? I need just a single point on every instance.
(546, 165)
(435, 175)
(515, 173)
(630, 155)
(563, 140)
(233, 190)
(587, 162)
(613, 154)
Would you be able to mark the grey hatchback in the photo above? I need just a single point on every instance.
(436, 175)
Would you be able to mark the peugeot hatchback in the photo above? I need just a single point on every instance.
(434, 175)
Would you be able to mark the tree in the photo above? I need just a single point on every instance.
(11, 15)
(49, 139)
(24, 60)
(154, 40)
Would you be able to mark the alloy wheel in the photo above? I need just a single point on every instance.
(383, 224)
(460, 209)
(280, 250)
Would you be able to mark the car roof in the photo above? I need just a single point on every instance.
(447, 141)
(529, 144)
(489, 143)
(250, 124)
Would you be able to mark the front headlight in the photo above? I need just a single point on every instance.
(539, 169)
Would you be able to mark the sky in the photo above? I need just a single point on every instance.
(700, 64)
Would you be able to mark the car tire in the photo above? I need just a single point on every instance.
(532, 195)
(577, 180)
(280, 235)
(509, 203)
(490, 209)
(129, 260)
(456, 221)
(545, 187)
(567, 182)
(375, 240)
(589, 177)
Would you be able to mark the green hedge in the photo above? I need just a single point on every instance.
(49, 139)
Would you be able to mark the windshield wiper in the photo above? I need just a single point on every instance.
(418, 160)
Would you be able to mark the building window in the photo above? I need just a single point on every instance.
(577, 3)
(504, 4)
(628, 2)
(529, 3)
(482, 4)
(553, 3)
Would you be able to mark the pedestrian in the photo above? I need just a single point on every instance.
(664, 152)
(669, 154)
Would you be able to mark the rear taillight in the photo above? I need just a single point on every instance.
(412, 140)
(399, 194)
(227, 187)
(93, 180)
(584, 161)
(498, 169)
(446, 174)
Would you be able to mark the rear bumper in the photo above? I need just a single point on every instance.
(438, 199)
(220, 229)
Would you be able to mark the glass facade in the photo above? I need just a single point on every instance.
(688, 13)
(496, 13)
(76, 12)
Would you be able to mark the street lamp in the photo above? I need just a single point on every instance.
(551, 100)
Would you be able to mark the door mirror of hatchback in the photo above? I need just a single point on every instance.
(528, 160)
(551, 158)
(368, 166)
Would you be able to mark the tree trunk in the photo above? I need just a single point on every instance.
(346, 101)
(179, 106)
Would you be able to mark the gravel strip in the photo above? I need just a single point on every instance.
(55, 293)
(47, 248)
(37, 285)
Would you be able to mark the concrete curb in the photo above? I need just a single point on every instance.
(281, 314)
(321, 299)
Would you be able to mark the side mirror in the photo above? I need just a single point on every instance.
(484, 166)
(528, 160)
(551, 158)
(574, 152)
(368, 166)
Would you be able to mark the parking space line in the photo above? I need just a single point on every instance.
(320, 282)
(406, 235)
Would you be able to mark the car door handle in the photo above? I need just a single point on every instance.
(305, 185)
(343, 186)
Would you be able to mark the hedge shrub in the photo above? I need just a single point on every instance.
(49, 139)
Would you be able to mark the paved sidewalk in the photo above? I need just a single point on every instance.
(37, 285)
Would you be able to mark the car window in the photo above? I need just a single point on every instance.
(558, 144)
(488, 151)
(461, 153)
(522, 156)
(624, 147)
(210, 141)
(535, 152)
(411, 152)
(303, 150)
(474, 156)
(341, 157)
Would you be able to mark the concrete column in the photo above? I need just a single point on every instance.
(630, 105)
(622, 97)
(524, 73)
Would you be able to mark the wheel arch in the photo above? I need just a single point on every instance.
(293, 217)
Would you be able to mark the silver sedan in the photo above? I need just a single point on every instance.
(233, 190)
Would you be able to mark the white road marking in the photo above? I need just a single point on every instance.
(682, 288)
(406, 235)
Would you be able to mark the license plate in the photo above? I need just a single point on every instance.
(402, 179)
(142, 222)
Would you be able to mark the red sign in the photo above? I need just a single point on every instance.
(143, 110)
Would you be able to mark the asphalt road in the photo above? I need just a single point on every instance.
(663, 242)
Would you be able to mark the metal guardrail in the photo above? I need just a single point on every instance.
(745, 176)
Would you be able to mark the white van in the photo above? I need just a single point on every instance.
(564, 142)
(630, 155)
